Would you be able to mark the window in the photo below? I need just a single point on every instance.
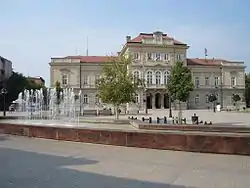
(136, 55)
(136, 98)
(207, 98)
(85, 80)
(178, 57)
(206, 81)
(97, 77)
(197, 99)
(165, 57)
(197, 82)
(150, 56)
(216, 81)
(149, 77)
(166, 77)
(136, 76)
(97, 99)
(85, 99)
(64, 79)
(158, 78)
(233, 81)
(157, 56)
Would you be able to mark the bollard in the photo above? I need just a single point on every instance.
(157, 120)
(173, 120)
(132, 117)
(176, 120)
(128, 117)
(165, 119)
(184, 120)
(143, 119)
(150, 120)
(135, 118)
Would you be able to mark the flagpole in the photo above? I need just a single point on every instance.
(205, 53)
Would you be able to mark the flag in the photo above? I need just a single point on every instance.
(205, 52)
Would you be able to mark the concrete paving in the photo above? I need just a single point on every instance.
(237, 118)
(234, 118)
(38, 163)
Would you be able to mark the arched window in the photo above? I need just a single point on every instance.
(136, 76)
(149, 77)
(85, 99)
(166, 77)
(158, 78)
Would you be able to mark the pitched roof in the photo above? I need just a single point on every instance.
(205, 62)
(92, 59)
(142, 36)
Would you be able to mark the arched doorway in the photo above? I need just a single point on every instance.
(149, 101)
(157, 100)
(166, 101)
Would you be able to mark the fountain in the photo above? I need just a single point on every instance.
(49, 106)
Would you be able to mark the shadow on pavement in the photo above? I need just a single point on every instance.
(3, 137)
(25, 169)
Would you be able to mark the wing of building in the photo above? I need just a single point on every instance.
(153, 56)
(5, 69)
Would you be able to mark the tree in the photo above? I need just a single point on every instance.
(236, 98)
(247, 89)
(15, 85)
(212, 98)
(116, 86)
(58, 92)
(58, 97)
(180, 84)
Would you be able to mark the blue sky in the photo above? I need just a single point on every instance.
(33, 31)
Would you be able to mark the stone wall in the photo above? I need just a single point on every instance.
(234, 144)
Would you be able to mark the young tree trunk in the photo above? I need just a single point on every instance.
(180, 114)
(214, 106)
(117, 113)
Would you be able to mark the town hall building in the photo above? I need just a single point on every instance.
(153, 55)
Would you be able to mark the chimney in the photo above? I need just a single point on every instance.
(128, 38)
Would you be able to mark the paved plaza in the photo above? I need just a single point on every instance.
(38, 163)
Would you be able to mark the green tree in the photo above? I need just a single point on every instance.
(236, 98)
(180, 84)
(15, 85)
(212, 98)
(247, 89)
(116, 86)
(58, 97)
(58, 92)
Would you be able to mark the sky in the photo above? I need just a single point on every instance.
(33, 31)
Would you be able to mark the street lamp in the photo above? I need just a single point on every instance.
(221, 86)
(4, 92)
(170, 107)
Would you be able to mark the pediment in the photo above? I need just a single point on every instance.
(159, 65)
(65, 70)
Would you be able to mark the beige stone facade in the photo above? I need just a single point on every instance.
(153, 56)
(5, 69)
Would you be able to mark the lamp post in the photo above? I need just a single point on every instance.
(221, 86)
(4, 92)
(170, 107)
(80, 97)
